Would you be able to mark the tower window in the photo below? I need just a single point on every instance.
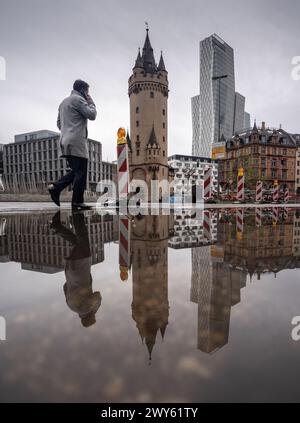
(164, 112)
(137, 123)
(164, 125)
(164, 139)
(151, 94)
(137, 152)
(137, 110)
(137, 137)
(164, 153)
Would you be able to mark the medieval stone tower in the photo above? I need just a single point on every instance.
(148, 94)
(150, 303)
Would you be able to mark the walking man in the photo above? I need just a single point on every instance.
(73, 114)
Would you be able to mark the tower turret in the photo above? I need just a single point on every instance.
(148, 94)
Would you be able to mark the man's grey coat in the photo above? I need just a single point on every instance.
(73, 113)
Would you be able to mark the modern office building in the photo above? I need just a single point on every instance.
(191, 168)
(1, 159)
(239, 113)
(247, 121)
(218, 110)
(32, 162)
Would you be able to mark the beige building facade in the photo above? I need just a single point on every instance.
(148, 95)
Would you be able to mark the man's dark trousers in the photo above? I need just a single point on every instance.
(77, 175)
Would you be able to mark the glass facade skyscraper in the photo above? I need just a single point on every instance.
(213, 111)
(239, 113)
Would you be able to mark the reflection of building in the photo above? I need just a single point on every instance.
(260, 249)
(150, 304)
(215, 288)
(265, 154)
(191, 168)
(188, 231)
(30, 241)
(32, 161)
(296, 234)
(148, 93)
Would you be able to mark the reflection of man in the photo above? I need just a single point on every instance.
(78, 288)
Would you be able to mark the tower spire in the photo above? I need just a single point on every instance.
(161, 65)
(147, 55)
(139, 61)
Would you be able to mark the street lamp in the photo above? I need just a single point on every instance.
(219, 78)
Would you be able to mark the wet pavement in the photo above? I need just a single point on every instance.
(150, 308)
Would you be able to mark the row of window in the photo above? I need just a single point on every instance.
(137, 110)
(137, 124)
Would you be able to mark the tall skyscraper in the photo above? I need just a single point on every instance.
(239, 113)
(218, 109)
(247, 121)
(148, 93)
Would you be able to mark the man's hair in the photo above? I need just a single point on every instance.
(80, 85)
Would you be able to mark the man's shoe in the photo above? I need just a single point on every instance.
(54, 194)
(80, 206)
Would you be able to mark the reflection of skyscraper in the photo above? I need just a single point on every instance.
(150, 305)
(215, 288)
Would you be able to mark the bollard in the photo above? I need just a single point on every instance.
(241, 185)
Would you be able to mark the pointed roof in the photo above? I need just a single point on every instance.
(152, 139)
(128, 140)
(148, 56)
(255, 130)
(139, 61)
(223, 139)
(161, 65)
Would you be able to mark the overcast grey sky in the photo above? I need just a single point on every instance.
(49, 43)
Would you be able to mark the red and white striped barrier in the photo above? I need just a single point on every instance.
(259, 189)
(275, 215)
(286, 213)
(241, 185)
(207, 225)
(286, 195)
(239, 223)
(207, 183)
(258, 217)
(123, 165)
(124, 247)
(276, 192)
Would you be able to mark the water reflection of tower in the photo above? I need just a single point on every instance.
(150, 305)
(215, 288)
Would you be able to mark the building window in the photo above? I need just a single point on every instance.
(164, 112)
(164, 139)
(137, 137)
(164, 125)
(137, 123)
(151, 94)
(137, 152)
(137, 110)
